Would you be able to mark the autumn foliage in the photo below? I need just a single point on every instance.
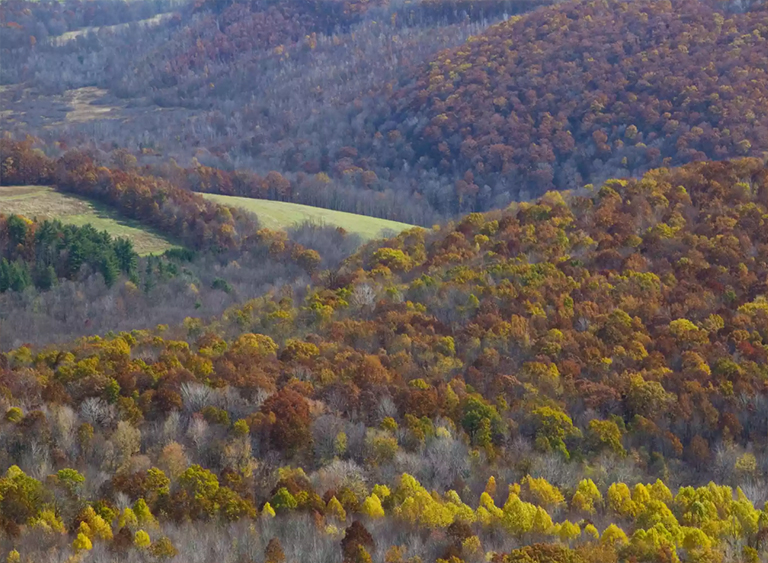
(584, 91)
(617, 333)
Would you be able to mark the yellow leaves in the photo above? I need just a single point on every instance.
(336, 510)
(258, 345)
(518, 516)
(82, 543)
(641, 495)
(488, 512)
(267, 511)
(14, 415)
(587, 497)
(758, 306)
(542, 493)
(645, 543)
(381, 491)
(372, 507)
(471, 545)
(655, 512)
(542, 522)
(417, 506)
(567, 531)
(127, 519)
(591, 533)
(141, 540)
(614, 536)
(143, 514)
(620, 501)
(490, 487)
(93, 526)
(49, 522)
(685, 331)
(659, 491)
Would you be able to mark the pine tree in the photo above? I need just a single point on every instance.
(110, 269)
(45, 277)
(127, 259)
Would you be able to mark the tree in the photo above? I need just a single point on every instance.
(587, 497)
(355, 537)
(372, 507)
(289, 427)
(475, 411)
(542, 492)
(274, 552)
(82, 543)
(553, 427)
(142, 540)
(336, 510)
(199, 487)
(605, 434)
(614, 536)
(163, 548)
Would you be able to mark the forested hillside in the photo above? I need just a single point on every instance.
(581, 92)
(65, 282)
(575, 379)
(412, 112)
(42, 253)
(561, 358)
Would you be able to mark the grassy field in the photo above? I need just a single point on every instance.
(42, 202)
(68, 36)
(280, 215)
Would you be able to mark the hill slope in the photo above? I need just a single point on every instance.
(278, 215)
(42, 202)
(586, 375)
(581, 92)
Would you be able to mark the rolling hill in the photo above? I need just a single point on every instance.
(578, 379)
(579, 92)
(42, 202)
(278, 215)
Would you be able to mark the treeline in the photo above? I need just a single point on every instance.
(26, 23)
(226, 259)
(40, 254)
(190, 219)
(556, 381)
(455, 11)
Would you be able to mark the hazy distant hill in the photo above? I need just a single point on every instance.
(582, 91)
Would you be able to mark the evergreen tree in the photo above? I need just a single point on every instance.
(109, 268)
(127, 258)
(45, 277)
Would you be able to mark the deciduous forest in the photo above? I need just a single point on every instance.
(564, 360)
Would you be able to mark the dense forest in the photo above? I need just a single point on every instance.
(566, 362)
(88, 283)
(575, 379)
(41, 254)
(414, 112)
(581, 92)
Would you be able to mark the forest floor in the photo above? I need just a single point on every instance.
(42, 202)
(280, 215)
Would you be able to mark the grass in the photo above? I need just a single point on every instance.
(41, 202)
(68, 36)
(280, 215)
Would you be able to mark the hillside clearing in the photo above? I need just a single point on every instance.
(281, 215)
(67, 37)
(42, 202)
